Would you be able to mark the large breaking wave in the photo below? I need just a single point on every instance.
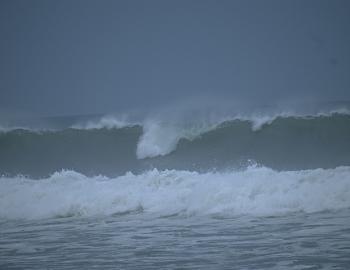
(253, 191)
(113, 147)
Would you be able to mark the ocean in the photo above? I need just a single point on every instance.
(230, 192)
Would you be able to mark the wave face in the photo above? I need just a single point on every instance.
(254, 191)
(282, 143)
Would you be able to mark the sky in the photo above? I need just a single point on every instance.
(82, 56)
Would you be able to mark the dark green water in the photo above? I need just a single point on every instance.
(285, 144)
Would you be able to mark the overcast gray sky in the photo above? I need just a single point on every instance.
(73, 57)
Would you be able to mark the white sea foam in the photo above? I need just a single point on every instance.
(107, 121)
(259, 120)
(255, 191)
(160, 138)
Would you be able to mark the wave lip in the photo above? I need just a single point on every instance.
(287, 143)
(255, 191)
(160, 138)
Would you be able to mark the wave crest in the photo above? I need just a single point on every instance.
(254, 191)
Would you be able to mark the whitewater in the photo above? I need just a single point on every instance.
(255, 191)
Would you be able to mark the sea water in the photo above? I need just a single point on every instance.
(235, 194)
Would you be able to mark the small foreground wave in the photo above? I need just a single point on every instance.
(255, 191)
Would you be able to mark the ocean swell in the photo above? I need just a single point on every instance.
(284, 143)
